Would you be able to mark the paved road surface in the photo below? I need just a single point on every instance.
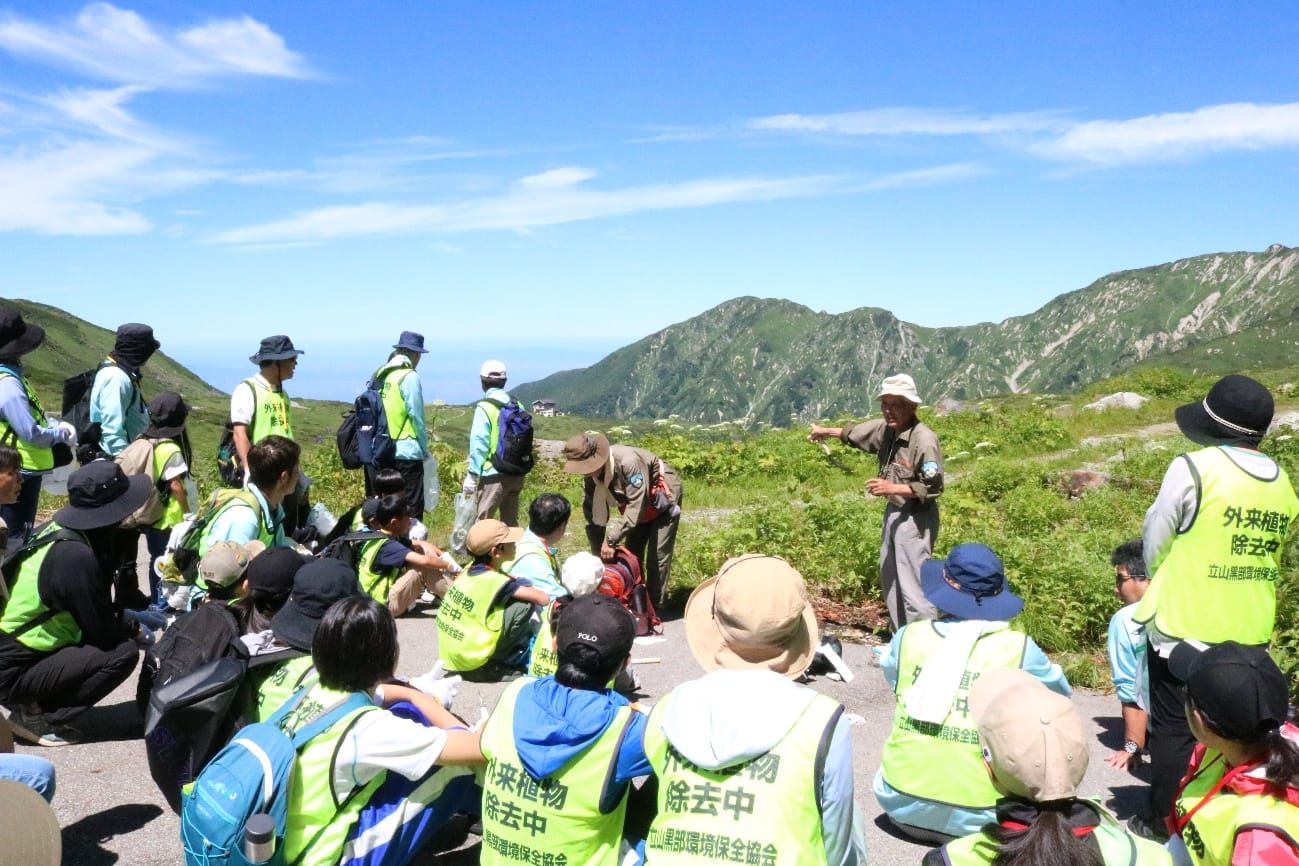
(112, 813)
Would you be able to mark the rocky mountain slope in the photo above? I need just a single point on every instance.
(754, 359)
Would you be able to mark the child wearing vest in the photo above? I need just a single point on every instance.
(485, 621)
(1238, 804)
(395, 569)
(563, 750)
(747, 760)
(580, 575)
(931, 782)
(339, 773)
(1036, 751)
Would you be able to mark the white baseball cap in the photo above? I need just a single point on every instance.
(492, 370)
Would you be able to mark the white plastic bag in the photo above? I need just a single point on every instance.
(432, 487)
(466, 508)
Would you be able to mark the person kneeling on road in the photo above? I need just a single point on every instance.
(485, 621)
(571, 738)
(931, 782)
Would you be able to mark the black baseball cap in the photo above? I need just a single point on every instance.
(1238, 688)
(595, 624)
(274, 570)
(316, 586)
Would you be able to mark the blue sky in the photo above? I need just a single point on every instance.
(545, 182)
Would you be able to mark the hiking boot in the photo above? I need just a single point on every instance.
(36, 730)
(1148, 828)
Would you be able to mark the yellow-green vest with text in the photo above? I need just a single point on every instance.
(469, 624)
(377, 582)
(944, 762)
(271, 412)
(36, 458)
(277, 685)
(394, 404)
(172, 513)
(1210, 835)
(544, 660)
(572, 812)
(766, 810)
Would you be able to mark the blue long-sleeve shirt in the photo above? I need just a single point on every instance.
(17, 413)
(118, 406)
(480, 432)
(1126, 647)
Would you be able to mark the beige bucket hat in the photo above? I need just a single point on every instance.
(585, 452)
(753, 615)
(902, 386)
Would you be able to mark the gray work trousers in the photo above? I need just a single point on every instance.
(500, 493)
(909, 535)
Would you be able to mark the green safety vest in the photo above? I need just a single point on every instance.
(271, 415)
(278, 683)
(377, 582)
(228, 497)
(493, 426)
(25, 605)
(1218, 582)
(36, 458)
(766, 810)
(394, 405)
(544, 660)
(1118, 846)
(172, 514)
(944, 762)
(1210, 835)
(469, 624)
(312, 804)
(527, 820)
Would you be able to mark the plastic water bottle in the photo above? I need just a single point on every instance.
(259, 838)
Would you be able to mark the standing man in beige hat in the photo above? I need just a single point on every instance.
(643, 489)
(747, 759)
(911, 478)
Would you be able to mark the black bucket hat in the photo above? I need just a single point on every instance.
(16, 336)
(1236, 409)
(316, 586)
(167, 414)
(275, 348)
(99, 495)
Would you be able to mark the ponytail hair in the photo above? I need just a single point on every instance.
(1048, 841)
(1282, 758)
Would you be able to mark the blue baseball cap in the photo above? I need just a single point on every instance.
(971, 584)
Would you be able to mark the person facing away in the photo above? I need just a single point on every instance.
(23, 424)
(746, 758)
(1212, 542)
(1238, 803)
(403, 407)
(931, 782)
(116, 401)
(497, 492)
(536, 554)
(1035, 751)
(562, 751)
(1126, 648)
(911, 478)
(485, 620)
(580, 575)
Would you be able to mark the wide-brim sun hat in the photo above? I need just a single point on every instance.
(29, 827)
(585, 453)
(970, 584)
(277, 347)
(18, 337)
(99, 495)
(752, 615)
(412, 342)
(902, 386)
(317, 585)
(1237, 408)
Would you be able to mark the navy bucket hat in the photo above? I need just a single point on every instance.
(971, 584)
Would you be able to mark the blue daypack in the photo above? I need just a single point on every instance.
(247, 777)
(513, 454)
(364, 438)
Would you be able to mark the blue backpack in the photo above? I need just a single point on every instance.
(513, 454)
(250, 776)
(364, 438)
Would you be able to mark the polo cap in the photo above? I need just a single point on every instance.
(1238, 688)
(492, 369)
(316, 586)
(226, 561)
(594, 626)
(486, 534)
(1034, 738)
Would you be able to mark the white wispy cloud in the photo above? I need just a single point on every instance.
(552, 197)
(931, 176)
(118, 45)
(1177, 135)
(911, 121)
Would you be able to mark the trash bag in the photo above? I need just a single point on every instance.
(466, 508)
(432, 487)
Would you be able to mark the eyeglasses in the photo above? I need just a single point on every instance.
(1119, 581)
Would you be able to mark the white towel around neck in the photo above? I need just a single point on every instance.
(930, 698)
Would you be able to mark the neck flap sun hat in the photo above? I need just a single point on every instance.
(902, 386)
(585, 452)
(1033, 737)
(1236, 409)
(29, 827)
(970, 584)
(100, 495)
(16, 336)
(275, 348)
(753, 615)
(134, 344)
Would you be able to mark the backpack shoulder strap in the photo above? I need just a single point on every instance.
(326, 720)
(492, 400)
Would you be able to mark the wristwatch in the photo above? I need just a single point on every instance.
(1131, 747)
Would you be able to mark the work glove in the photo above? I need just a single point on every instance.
(470, 487)
(437, 685)
(68, 432)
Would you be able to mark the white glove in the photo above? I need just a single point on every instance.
(483, 716)
(247, 476)
(68, 432)
(436, 684)
(470, 487)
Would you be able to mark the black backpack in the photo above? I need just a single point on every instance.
(76, 411)
(346, 548)
(364, 438)
(227, 458)
(513, 454)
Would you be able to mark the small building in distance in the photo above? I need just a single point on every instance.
(544, 408)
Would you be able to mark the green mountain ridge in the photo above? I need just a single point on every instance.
(752, 359)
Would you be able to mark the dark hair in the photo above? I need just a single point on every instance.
(217, 592)
(493, 382)
(1129, 554)
(254, 610)
(271, 458)
(390, 507)
(580, 667)
(1282, 752)
(388, 481)
(548, 512)
(10, 459)
(1048, 841)
(355, 646)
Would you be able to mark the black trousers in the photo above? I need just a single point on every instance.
(1171, 741)
(70, 680)
(412, 476)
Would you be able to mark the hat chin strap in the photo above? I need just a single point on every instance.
(1225, 423)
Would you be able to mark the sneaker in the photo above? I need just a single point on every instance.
(35, 730)
(1148, 828)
